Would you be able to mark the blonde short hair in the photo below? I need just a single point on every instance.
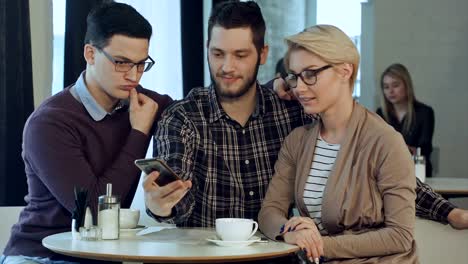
(327, 42)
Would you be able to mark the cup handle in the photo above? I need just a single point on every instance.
(255, 229)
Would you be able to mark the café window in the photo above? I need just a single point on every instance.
(284, 18)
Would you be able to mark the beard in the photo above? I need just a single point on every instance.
(226, 92)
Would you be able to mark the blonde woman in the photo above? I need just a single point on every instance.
(413, 119)
(350, 175)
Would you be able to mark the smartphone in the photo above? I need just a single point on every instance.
(166, 174)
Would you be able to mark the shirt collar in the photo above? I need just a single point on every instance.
(217, 111)
(260, 108)
(97, 112)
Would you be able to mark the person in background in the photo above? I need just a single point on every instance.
(89, 134)
(347, 173)
(413, 119)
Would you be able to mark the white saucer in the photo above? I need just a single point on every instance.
(131, 231)
(223, 243)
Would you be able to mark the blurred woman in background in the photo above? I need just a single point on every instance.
(413, 119)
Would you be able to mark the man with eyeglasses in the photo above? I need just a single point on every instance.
(89, 134)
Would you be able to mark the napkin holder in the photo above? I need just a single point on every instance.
(82, 227)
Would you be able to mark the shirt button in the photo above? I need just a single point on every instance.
(247, 162)
(243, 131)
(251, 193)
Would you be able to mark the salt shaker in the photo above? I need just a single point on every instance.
(420, 165)
(89, 231)
(108, 215)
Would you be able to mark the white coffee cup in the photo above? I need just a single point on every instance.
(129, 218)
(235, 229)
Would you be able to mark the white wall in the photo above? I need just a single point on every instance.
(430, 37)
(41, 48)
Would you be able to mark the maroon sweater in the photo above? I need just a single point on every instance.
(64, 147)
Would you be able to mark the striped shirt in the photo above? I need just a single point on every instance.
(230, 165)
(322, 164)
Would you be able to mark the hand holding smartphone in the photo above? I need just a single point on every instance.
(166, 174)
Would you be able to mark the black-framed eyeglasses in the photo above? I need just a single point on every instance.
(125, 66)
(308, 76)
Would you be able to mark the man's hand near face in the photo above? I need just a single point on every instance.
(280, 88)
(161, 199)
(142, 111)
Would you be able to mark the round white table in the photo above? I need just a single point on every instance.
(178, 245)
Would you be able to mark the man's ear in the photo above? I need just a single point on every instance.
(208, 52)
(88, 53)
(264, 54)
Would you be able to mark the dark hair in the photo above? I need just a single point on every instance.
(235, 14)
(111, 18)
(280, 68)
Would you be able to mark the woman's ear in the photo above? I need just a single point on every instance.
(346, 71)
(89, 52)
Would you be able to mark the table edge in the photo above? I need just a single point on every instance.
(166, 259)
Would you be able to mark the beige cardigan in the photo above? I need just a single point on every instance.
(368, 204)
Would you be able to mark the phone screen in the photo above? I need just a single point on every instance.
(166, 175)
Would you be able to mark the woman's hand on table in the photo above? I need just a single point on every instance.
(303, 232)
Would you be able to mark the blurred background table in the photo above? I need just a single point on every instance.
(449, 187)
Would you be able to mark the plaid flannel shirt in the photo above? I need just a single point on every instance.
(230, 165)
(431, 205)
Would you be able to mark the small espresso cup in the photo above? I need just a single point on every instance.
(235, 229)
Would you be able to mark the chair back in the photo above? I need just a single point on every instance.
(9, 215)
